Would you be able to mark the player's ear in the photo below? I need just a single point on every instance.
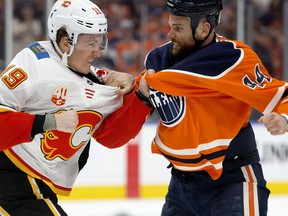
(204, 29)
(63, 44)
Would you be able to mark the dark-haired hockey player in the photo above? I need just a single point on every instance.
(203, 90)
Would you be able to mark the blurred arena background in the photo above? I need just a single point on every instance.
(130, 181)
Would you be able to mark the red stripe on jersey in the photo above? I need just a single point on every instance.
(114, 131)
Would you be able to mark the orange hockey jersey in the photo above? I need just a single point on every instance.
(204, 100)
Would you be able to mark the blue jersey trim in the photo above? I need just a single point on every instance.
(39, 50)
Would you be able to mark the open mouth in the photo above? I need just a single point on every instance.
(175, 45)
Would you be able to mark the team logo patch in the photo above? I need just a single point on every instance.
(171, 109)
(57, 144)
(59, 95)
(100, 74)
(39, 50)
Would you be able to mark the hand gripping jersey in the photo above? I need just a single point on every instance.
(205, 100)
(37, 82)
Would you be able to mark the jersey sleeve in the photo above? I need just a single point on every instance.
(17, 79)
(123, 124)
(282, 108)
(15, 128)
(16, 125)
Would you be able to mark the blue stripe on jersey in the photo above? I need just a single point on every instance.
(160, 58)
(212, 60)
(39, 50)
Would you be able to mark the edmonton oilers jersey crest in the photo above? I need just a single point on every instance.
(171, 109)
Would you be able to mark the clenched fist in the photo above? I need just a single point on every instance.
(143, 87)
(123, 80)
(67, 121)
(275, 123)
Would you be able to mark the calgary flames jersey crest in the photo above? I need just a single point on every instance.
(64, 145)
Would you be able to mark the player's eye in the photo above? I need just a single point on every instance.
(177, 28)
(92, 44)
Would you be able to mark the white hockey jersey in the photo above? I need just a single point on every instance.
(37, 82)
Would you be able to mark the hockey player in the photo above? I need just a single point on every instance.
(203, 90)
(52, 102)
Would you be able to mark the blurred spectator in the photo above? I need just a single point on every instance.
(39, 8)
(128, 49)
(228, 19)
(272, 22)
(107, 60)
(26, 28)
(156, 29)
(2, 65)
(261, 6)
(261, 45)
(2, 29)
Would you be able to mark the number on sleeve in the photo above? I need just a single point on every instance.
(14, 78)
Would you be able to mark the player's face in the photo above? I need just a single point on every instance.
(181, 36)
(87, 49)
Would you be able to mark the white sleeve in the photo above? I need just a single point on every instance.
(17, 80)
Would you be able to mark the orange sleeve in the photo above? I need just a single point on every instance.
(282, 107)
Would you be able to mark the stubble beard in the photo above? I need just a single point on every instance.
(182, 51)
